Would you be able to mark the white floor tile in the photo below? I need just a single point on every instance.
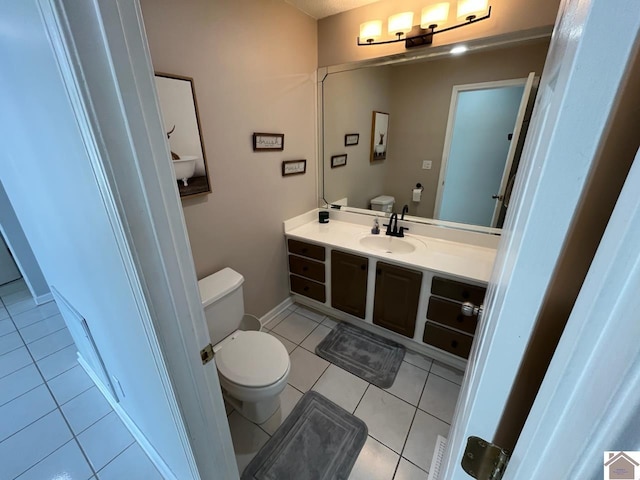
(445, 371)
(34, 443)
(315, 337)
(10, 342)
(11, 287)
(70, 384)
(15, 297)
(50, 344)
(387, 417)
(288, 400)
(277, 319)
(418, 360)
(84, 410)
(439, 398)
(3, 313)
(99, 450)
(58, 362)
(19, 382)
(295, 327)
(306, 368)
(422, 439)
(330, 322)
(35, 315)
(6, 327)
(247, 439)
(24, 410)
(41, 329)
(310, 313)
(409, 383)
(66, 463)
(132, 463)
(14, 360)
(289, 345)
(21, 306)
(408, 471)
(375, 462)
(341, 387)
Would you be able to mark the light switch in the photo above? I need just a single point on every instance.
(426, 165)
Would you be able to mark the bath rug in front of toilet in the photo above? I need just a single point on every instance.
(367, 355)
(318, 440)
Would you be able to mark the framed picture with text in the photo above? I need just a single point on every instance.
(268, 142)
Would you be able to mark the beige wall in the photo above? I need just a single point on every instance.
(249, 77)
(350, 99)
(337, 34)
(420, 100)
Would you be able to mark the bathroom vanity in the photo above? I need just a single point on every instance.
(409, 289)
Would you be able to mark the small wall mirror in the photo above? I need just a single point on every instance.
(182, 124)
(423, 98)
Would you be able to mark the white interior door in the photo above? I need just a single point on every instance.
(563, 140)
(517, 131)
(8, 269)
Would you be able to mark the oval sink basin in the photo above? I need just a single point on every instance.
(387, 244)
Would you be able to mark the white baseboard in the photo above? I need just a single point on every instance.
(46, 298)
(151, 452)
(277, 310)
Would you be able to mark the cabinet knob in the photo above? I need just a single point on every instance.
(460, 318)
(306, 289)
(305, 250)
(378, 271)
(465, 294)
(304, 269)
(363, 267)
(454, 344)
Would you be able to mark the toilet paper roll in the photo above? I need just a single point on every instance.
(417, 194)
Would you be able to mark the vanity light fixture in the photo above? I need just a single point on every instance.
(401, 24)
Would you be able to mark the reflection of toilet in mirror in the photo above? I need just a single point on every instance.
(184, 167)
(383, 203)
(253, 366)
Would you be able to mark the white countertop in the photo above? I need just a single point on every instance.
(443, 256)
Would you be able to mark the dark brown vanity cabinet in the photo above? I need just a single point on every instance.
(447, 328)
(396, 298)
(349, 282)
(307, 274)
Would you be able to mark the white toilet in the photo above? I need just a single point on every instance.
(383, 203)
(253, 366)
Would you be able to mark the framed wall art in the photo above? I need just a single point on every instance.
(293, 167)
(268, 142)
(339, 160)
(379, 135)
(351, 139)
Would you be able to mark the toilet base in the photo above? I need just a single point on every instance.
(256, 412)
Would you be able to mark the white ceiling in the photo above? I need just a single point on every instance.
(323, 8)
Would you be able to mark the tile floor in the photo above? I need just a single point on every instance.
(403, 421)
(54, 422)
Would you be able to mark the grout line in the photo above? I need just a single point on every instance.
(76, 396)
(55, 401)
(21, 395)
(44, 336)
(114, 458)
(29, 424)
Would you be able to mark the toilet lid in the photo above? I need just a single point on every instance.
(253, 359)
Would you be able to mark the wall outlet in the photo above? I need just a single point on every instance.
(426, 165)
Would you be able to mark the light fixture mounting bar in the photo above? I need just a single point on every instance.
(424, 36)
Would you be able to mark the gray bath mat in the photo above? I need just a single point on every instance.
(319, 440)
(367, 355)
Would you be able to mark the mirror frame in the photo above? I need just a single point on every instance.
(426, 54)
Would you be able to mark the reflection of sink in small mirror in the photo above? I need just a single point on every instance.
(388, 244)
(184, 168)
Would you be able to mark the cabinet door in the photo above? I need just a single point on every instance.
(396, 298)
(349, 282)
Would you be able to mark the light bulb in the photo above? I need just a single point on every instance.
(400, 23)
(434, 15)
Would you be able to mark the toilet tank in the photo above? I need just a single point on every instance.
(383, 203)
(223, 302)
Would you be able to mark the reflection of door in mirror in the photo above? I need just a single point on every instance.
(483, 133)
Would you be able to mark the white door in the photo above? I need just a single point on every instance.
(563, 139)
(8, 269)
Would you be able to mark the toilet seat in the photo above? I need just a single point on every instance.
(252, 359)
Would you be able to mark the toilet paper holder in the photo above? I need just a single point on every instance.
(418, 185)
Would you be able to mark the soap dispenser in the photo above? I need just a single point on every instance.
(376, 227)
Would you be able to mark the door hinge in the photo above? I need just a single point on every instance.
(484, 460)
(206, 354)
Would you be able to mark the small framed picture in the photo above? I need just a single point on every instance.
(339, 160)
(379, 136)
(351, 139)
(293, 167)
(268, 142)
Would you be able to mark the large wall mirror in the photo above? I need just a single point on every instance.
(418, 96)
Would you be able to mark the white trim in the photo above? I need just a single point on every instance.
(453, 106)
(42, 299)
(151, 452)
(275, 311)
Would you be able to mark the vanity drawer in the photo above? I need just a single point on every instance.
(448, 313)
(306, 249)
(445, 339)
(308, 288)
(458, 291)
(306, 268)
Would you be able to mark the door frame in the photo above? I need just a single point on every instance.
(457, 89)
(105, 63)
